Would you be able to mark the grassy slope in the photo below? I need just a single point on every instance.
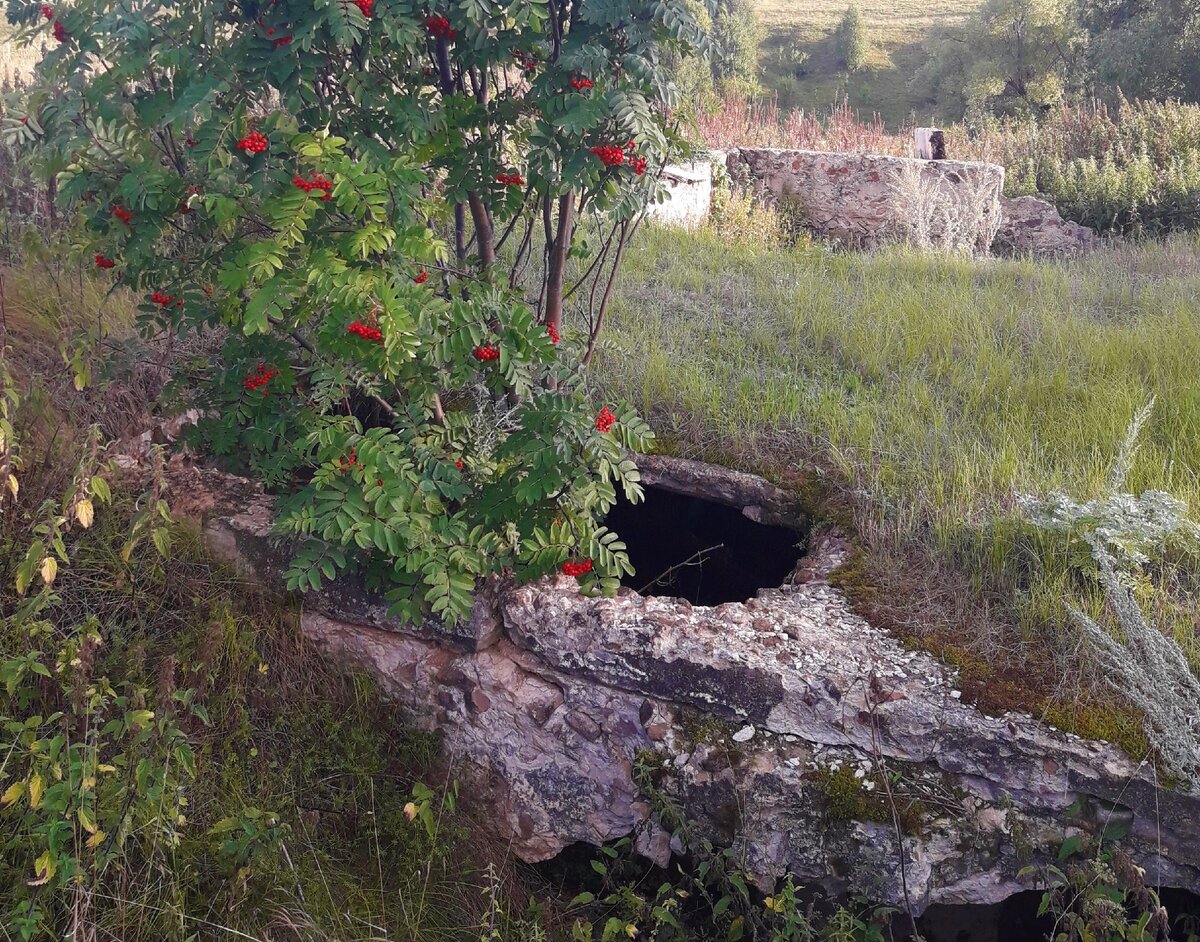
(288, 733)
(895, 28)
(926, 393)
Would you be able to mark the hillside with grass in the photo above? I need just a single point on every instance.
(916, 399)
(345, 374)
(802, 67)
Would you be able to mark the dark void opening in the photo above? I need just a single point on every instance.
(1015, 919)
(705, 552)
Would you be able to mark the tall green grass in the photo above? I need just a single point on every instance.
(925, 392)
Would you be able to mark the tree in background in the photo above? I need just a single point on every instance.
(1144, 48)
(730, 60)
(853, 45)
(1013, 57)
(735, 40)
(385, 208)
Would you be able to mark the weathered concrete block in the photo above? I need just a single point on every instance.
(743, 705)
(1031, 226)
(851, 198)
(689, 194)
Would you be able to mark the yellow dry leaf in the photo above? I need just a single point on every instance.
(44, 866)
(49, 569)
(13, 486)
(94, 841)
(36, 787)
(12, 793)
(85, 513)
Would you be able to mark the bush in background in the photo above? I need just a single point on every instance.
(853, 46)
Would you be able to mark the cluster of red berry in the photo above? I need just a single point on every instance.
(252, 143)
(282, 41)
(122, 214)
(613, 156)
(486, 353)
(579, 84)
(526, 62)
(610, 154)
(345, 464)
(366, 6)
(60, 31)
(366, 331)
(458, 464)
(510, 179)
(259, 378)
(570, 568)
(103, 261)
(421, 278)
(440, 26)
(605, 419)
(316, 181)
(552, 333)
(161, 297)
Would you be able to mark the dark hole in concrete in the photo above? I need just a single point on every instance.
(705, 552)
(1014, 919)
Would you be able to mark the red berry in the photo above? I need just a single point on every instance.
(259, 378)
(421, 278)
(316, 181)
(162, 298)
(103, 261)
(610, 154)
(579, 84)
(365, 6)
(252, 143)
(570, 568)
(47, 11)
(486, 353)
(459, 465)
(605, 419)
(510, 179)
(60, 32)
(552, 332)
(440, 26)
(366, 331)
(122, 214)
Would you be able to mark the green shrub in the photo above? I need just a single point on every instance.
(335, 184)
(853, 45)
(1134, 168)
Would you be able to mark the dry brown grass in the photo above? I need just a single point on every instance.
(888, 21)
(16, 62)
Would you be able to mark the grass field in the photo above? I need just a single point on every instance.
(896, 29)
(919, 396)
